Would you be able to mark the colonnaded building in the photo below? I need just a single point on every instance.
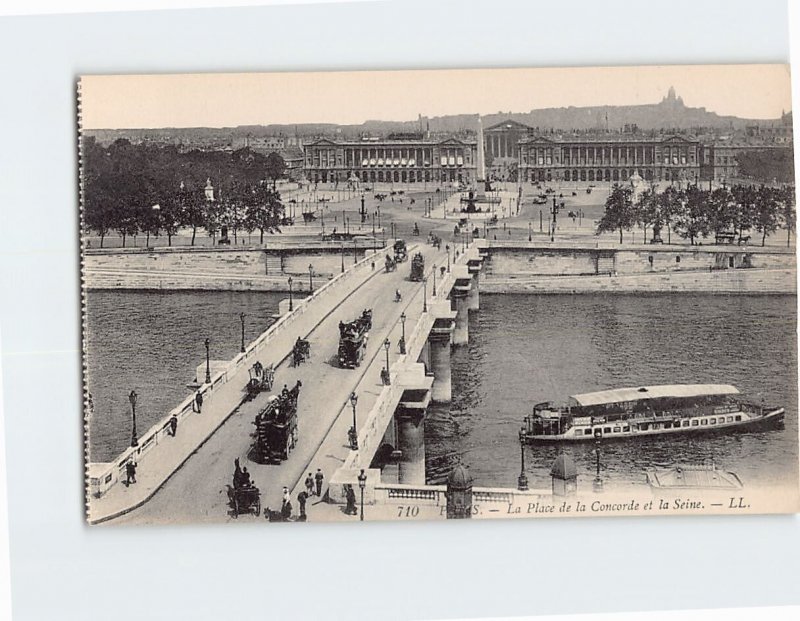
(609, 158)
(395, 159)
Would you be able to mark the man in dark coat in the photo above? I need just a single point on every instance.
(319, 478)
(199, 402)
(130, 472)
(301, 499)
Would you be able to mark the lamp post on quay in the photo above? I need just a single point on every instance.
(386, 345)
(354, 429)
(132, 398)
(291, 302)
(208, 361)
(362, 483)
(447, 247)
(241, 318)
(403, 336)
(434, 279)
(424, 295)
(342, 257)
(522, 481)
(310, 278)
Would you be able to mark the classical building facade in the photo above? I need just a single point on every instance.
(609, 158)
(412, 160)
(501, 141)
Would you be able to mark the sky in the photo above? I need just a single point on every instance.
(225, 100)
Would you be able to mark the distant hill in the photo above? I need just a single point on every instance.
(669, 114)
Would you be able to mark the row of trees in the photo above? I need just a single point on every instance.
(694, 213)
(144, 189)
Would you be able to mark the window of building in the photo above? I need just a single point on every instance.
(678, 259)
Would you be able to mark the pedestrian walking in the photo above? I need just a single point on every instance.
(173, 425)
(198, 400)
(130, 473)
(310, 485)
(319, 478)
(301, 500)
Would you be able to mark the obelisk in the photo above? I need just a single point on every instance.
(480, 170)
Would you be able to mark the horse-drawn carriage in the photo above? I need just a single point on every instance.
(243, 495)
(276, 427)
(353, 338)
(301, 351)
(435, 240)
(261, 379)
(400, 251)
(417, 267)
(390, 263)
(309, 216)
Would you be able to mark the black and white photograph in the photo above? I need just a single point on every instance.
(438, 294)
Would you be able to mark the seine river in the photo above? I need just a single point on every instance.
(523, 349)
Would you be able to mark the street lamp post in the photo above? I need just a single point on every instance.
(434, 279)
(355, 250)
(354, 430)
(132, 397)
(530, 237)
(310, 278)
(386, 346)
(447, 247)
(241, 318)
(424, 295)
(522, 481)
(362, 483)
(403, 336)
(342, 257)
(291, 302)
(208, 361)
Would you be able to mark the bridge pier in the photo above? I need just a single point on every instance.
(439, 344)
(461, 330)
(411, 442)
(473, 297)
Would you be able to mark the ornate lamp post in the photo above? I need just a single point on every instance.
(386, 346)
(342, 257)
(403, 336)
(425, 295)
(354, 429)
(447, 247)
(132, 398)
(362, 483)
(530, 236)
(522, 481)
(310, 278)
(241, 318)
(434, 279)
(291, 302)
(208, 361)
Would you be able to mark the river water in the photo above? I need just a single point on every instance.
(523, 349)
(152, 342)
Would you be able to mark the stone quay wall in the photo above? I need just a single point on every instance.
(519, 267)
(221, 268)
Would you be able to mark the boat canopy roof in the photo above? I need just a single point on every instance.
(619, 395)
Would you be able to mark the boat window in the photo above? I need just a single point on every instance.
(686, 423)
(616, 429)
(643, 426)
(606, 429)
(626, 428)
(738, 418)
(704, 421)
(695, 422)
(587, 432)
(730, 419)
(713, 421)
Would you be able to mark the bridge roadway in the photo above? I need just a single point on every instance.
(197, 491)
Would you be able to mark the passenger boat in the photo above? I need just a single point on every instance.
(648, 411)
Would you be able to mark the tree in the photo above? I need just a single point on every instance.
(788, 214)
(721, 211)
(264, 209)
(692, 221)
(767, 212)
(275, 168)
(648, 213)
(670, 206)
(619, 214)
